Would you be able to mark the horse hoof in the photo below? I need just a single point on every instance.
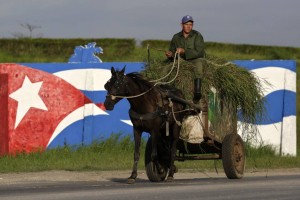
(130, 180)
(170, 179)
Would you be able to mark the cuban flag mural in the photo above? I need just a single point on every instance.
(48, 105)
(51, 105)
(278, 128)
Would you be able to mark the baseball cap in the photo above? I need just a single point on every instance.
(186, 19)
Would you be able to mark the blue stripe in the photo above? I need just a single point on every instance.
(95, 96)
(278, 104)
(289, 103)
(57, 67)
(102, 128)
(251, 65)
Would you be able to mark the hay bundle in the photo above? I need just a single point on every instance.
(237, 88)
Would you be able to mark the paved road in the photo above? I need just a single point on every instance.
(111, 185)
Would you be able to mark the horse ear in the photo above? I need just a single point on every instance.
(123, 70)
(113, 71)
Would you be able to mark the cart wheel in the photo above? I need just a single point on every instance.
(151, 169)
(233, 156)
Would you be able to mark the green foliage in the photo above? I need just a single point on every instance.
(115, 153)
(60, 50)
(264, 157)
(156, 44)
(253, 51)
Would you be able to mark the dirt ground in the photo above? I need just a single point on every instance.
(72, 176)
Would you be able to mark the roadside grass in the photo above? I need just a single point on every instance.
(111, 154)
(116, 153)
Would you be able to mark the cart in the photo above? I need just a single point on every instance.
(220, 141)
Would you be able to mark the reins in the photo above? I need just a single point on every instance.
(173, 66)
(113, 97)
(156, 81)
(168, 74)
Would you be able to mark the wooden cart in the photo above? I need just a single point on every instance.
(220, 141)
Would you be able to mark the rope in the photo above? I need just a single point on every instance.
(173, 66)
(173, 113)
(185, 110)
(216, 64)
(129, 97)
(157, 81)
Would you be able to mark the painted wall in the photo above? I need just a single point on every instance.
(279, 126)
(46, 105)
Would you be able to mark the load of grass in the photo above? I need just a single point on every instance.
(237, 88)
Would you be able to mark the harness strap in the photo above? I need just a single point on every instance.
(146, 116)
(149, 116)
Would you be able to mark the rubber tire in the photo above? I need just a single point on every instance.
(233, 156)
(150, 167)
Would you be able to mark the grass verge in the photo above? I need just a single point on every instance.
(116, 153)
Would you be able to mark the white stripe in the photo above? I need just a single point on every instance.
(279, 78)
(76, 115)
(82, 78)
(289, 136)
(278, 135)
(268, 135)
(127, 122)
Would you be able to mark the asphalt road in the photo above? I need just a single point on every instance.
(112, 185)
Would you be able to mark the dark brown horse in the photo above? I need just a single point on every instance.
(152, 111)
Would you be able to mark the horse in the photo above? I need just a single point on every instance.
(151, 110)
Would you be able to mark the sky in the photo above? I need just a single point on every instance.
(258, 22)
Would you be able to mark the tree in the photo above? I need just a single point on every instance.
(30, 28)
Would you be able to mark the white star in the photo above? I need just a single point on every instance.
(27, 96)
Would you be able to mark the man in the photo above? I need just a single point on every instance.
(189, 44)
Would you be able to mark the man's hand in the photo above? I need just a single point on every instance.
(181, 51)
(169, 54)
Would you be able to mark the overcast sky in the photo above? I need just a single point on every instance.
(265, 22)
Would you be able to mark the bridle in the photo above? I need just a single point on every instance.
(122, 82)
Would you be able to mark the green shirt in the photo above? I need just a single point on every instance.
(193, 45)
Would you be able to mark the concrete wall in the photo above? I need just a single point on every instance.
(46, 105)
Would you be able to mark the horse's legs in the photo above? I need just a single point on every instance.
(176, 131)
(137, 144)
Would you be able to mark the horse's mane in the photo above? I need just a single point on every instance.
(140, 80)
(144, 84)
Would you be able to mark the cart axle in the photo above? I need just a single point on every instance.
(199, 157)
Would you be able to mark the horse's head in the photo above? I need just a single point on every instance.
(116, 88)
